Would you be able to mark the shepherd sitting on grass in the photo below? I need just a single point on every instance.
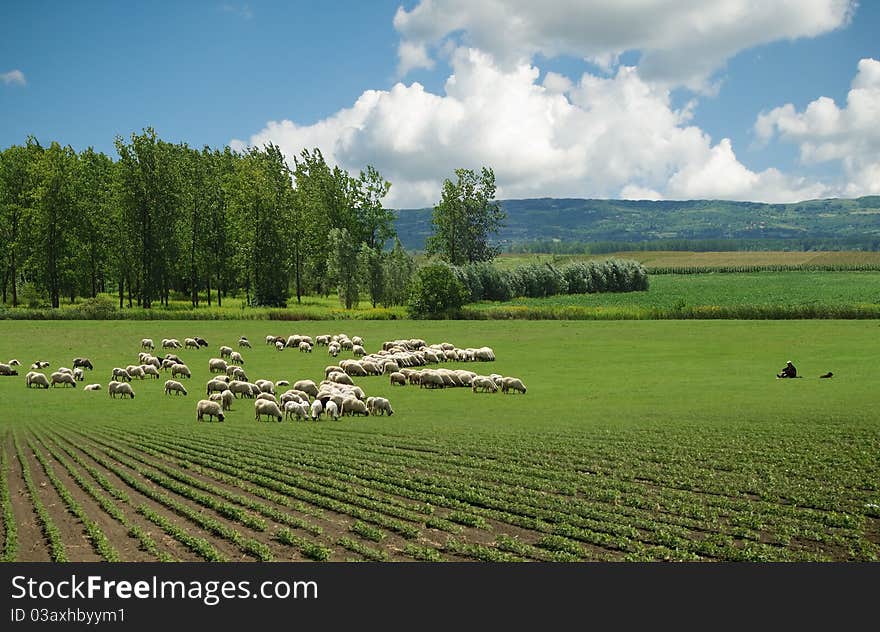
(788, 370)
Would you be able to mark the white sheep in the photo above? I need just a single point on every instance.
(190, 343)
(92, 387)
(268, 408)
(39, 364)
(512, 384)
(6, 369)
(340, 378)
(333, 349)
(147, 343)
(225, 351)
(279, 346)
(121, 374)
(149, 369)
(357, 340)
(331, 409)
(216, 386)
(265, 386)
(268, 396)
(236, 357)
(14, 362)
(295, 409)
(322, 340)
(317, 410)
(381, 406)
(209, 408)
(120, 388)
(34, 378)
(78, 374)
(305, 347)
(307, 386)
(486, 384)
(431, 379)
(225, 398)
(398, 378)
(84, 363)
(64, 369)
(243, 342)
(354, 406)
(238, 387)
(62, 378)
(136, 372)
(173, 386)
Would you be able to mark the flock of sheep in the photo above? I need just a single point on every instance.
(405, 362)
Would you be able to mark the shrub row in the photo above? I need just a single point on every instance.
(782, 267)
(485, 281)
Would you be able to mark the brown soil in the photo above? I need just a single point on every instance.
(32, 545)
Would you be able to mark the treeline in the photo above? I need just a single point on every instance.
(165, 219)
(804, 244)
(484, 281)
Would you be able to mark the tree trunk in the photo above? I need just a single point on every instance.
(5, 281)
(121, 290)
(209, 290)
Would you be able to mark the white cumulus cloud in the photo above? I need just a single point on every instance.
(600, 137)
(13, 77)
(682, 42)
(826, 132)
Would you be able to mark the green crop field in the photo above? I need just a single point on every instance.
(650, 440)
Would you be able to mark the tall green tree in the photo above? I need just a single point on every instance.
(342, 266)
(374, 224)
(94, 203)
(16, 177)
(465, 218)
(371, 262)
(398, 275)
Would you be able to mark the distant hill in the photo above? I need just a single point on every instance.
(579, 220)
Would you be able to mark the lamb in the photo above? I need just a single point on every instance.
(78, 374)
(279, 346)
(317, 410)
(174, 386)
(36, 379)
(190, 343)
(84, 363)
(282, 383)
(147, 343)
(5, 369)
(512, 384)
(120, 388)
(381, 406)
(295, 409)
(180, 369)
(225, 351)
(62, 378)
(265, 407)
(331, 409)
(235, 356)
(39, 364)
(92, 387)
(305, 347)
(307, 386)
(217, 365)
(398, 378)
(149, 369)
(209, 408)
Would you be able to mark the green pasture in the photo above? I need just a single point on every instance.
(636, 439)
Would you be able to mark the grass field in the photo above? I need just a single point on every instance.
(733, 295)
(664, 440)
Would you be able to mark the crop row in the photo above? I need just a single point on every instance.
(57, 553)
(10, 539)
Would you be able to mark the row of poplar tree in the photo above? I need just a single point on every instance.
(166, 218)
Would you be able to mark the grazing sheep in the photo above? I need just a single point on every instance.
(270, 340)
(483, 383)
(180, 369)
(307, 386)
(174, 386)
(217, 386)
(136, 372)
(201, 341)
(331, 409)
(357, 340)
(92, 387)
(431, 379)
(512, 384)
(84, 363)
(265, 407)
(295, 409)
(282, 383)
(171, 343)
(36, 379)
(332, 368)
(381, 406)
(147, 343)
(153, 362)
(358, 351)
(39, 365)
(317, 410)
(225, 398)
(265, 386)
(14, 362)
(333, 349)
(149, 369)
(371, 368)
(305, 347)
(398, 378)
(354, 369)
(340, 378)
(235, 356)
(5, 369)
(171, 356)
(62, 378)
(225, 351)
(279, 346)
(190, 343)
(120, 388)
(239, 387)
(209, 408)
(323, 340)
(78, 374)
(353, 406)
(217, 365)
(243, 342)
(268, 396)
(346, 344)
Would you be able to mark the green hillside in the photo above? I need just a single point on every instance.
(578, 220)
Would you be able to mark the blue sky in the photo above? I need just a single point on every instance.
(599, 102)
